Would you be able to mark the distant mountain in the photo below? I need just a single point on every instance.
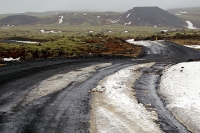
(19, 20)
(154, 16)
(138, 16)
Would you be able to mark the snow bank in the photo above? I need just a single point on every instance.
(61, 20)
(116, 110)
(11, 59)
(130, 40)
(193, 46)
(60, 81)
(190, 25)
(181, 90)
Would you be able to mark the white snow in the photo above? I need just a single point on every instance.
(98, 16)
(11, 59)
(115, 21)
(183, 12)
(30, 42)
(60, 81)
(130, 40)
(193, 46)
(190, 25)
(52, 31)
(128, 15)
(127, 23)
(116, 110)
(85, 14)
(181, 90)
(91, 31)
(126, 31)
(165, 30)
(61, 19)
(155, 26)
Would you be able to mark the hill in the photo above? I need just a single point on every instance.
(188, 14)
(19, 20)
(138, 16)
(153, 16)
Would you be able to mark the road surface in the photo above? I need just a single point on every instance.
(54, 95)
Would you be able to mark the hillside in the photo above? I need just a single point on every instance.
(19, 20)
(153, 16)
(188, 14)
(138, 16)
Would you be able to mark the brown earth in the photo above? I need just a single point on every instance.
(113, 47)
(96, 47)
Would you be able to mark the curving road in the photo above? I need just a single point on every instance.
(54, 95)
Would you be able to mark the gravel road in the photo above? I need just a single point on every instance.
(28, 106)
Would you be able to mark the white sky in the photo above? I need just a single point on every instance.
(19, 6)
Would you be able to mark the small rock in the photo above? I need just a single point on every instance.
(148, 105)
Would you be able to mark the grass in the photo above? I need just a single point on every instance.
(76, 41)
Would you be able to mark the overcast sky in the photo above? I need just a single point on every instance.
(20, 6)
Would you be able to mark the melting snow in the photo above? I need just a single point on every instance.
(61, 20)
(190, 25)
(155, 26)
(181, 91)
(193, 46)
(52, 31)
(60, 81)
(130, 40)
(128, 15)
(183, 12)
(11, 59)
(116, 110)
(127, 23)
(85, 14)
(164, 30)
(98, 16)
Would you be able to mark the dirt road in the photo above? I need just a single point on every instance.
(54, 95)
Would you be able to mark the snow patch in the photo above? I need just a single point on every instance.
(52, 31)
(61, 19)
(128, 15)
(127, 23)
(11, 59)
(183, 12)
(116, 110)
(98, 16)
(193, 46)
(181, 90)
(130, 40)
(164, 30)
(190, 25)
(60, 81)
(178, 14)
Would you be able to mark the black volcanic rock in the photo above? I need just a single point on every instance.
(19, 20)
(151, 16)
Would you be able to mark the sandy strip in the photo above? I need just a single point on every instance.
(181, 90)
(60, 81)
(115, 108)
